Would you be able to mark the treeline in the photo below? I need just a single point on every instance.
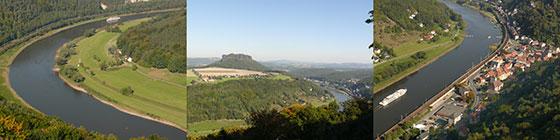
(37, 17)
(305, 122)
(158, 43)
(527, 108)
(541, 22)
(431, 14)
(235, 99)
(19, 122)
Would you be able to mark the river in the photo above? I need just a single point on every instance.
(32, 77)
(433, 78)
(339, 97)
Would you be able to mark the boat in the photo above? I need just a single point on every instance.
(397, 94)
(489, 37)
(113, 19)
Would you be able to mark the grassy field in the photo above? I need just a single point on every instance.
(158, 99)
(414, 46)
(216, 71)
(431, 55)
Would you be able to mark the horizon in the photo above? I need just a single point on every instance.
(323, 32)
(301, 61)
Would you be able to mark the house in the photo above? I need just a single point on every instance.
(446, 30)
(119, 51)
(508, 66)
(421, 25)
(499, 59)
(375, 59)
(433, 32)
(204, 78)
(428, 36)
(451, 112)
(377, 51)
(497, 85)
(480, 80)
(490, 73)
(129, 59)
(462, 90)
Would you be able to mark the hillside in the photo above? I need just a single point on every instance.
(400, 22)
(235, 99)
(528, 108)
(31, 18)
(239, 61)
(541, 22)
(158, 43)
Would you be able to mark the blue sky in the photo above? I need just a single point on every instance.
(331, 31)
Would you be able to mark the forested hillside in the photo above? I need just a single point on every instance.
(239, 61)
(430, 13)
(19, 18)
(305, 122)
(159, 43)
(541, 22)
(529, 107)
(235, 99)
(19, 122)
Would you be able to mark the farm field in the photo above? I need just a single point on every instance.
(216, 71)
(157, 92)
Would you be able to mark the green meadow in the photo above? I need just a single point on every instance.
(157, 92)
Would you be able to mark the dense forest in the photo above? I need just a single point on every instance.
(431, 14)
(158, 43)
(541, 22)
(239, 61)
(343, 78)
(23, 19)
(234, 99)
(19, 122)
(305, 122)
(529, 107)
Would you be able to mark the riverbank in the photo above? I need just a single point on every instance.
(122, 109)
(409, 71)
(8, 57)
(104, 85)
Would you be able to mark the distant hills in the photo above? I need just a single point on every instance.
(193, 62)
(239, 61)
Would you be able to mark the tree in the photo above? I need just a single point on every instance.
(103, 66)
(89, 32)
(127, 91)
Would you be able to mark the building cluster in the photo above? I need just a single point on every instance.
(515, 57)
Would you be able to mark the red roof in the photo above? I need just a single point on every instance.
(428, 36)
